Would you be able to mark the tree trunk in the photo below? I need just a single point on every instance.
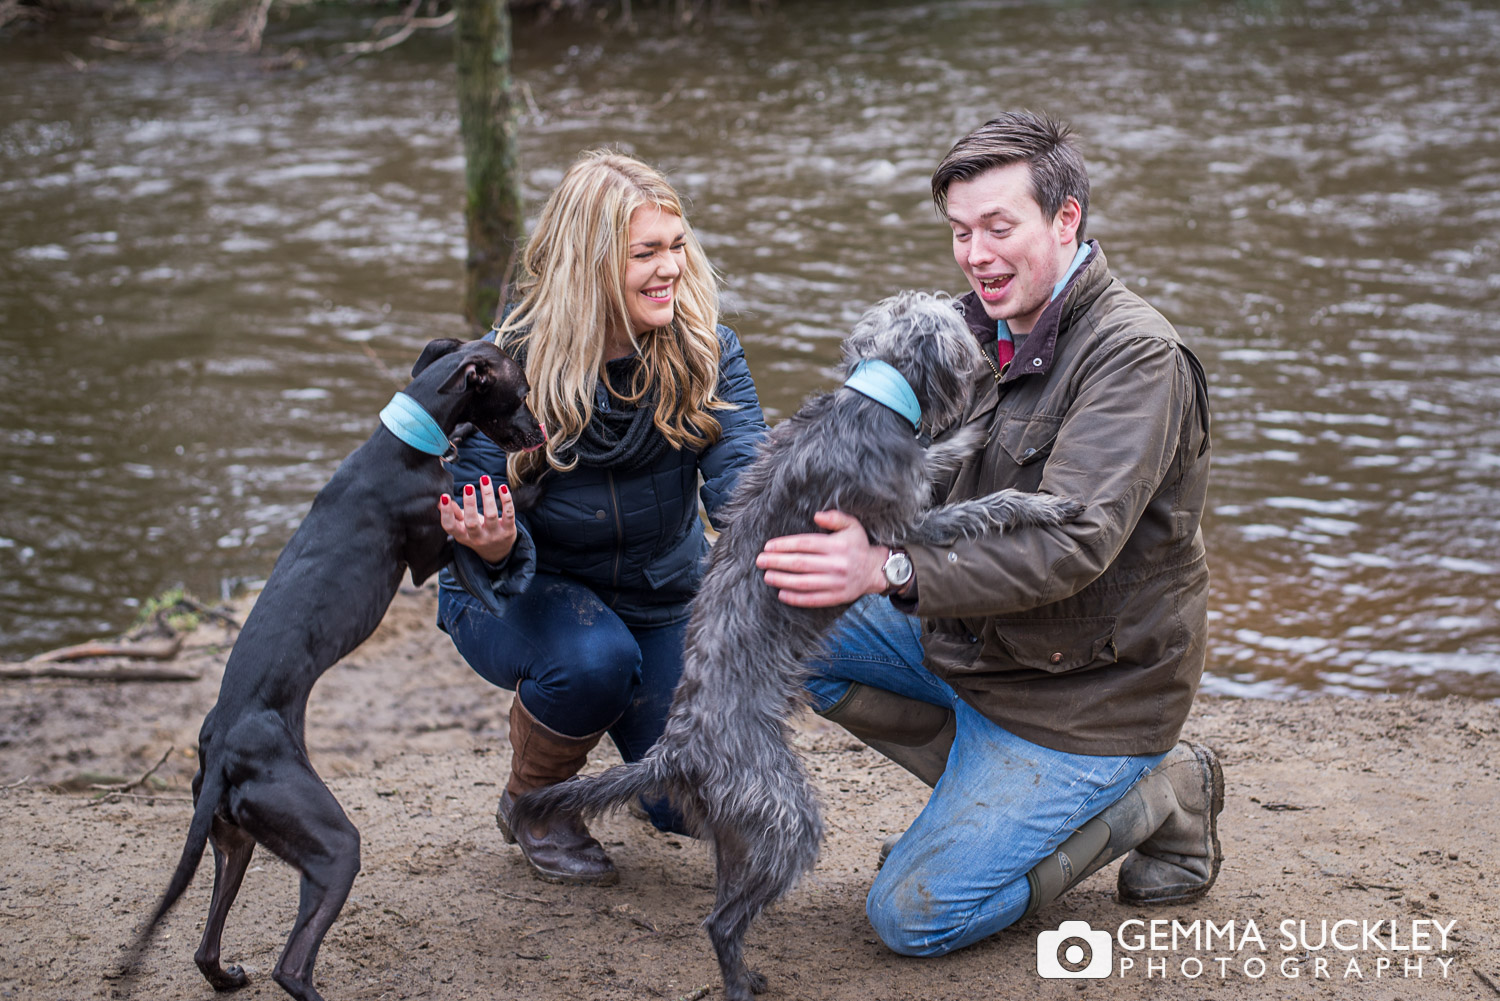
(487, 119)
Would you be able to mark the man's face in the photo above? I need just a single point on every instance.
(1010, 252)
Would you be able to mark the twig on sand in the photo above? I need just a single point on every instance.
(194, 605)
(116, 797)
(1487, 981)
(112, 792)
(701, 992)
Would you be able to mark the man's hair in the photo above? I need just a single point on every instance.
(1046, 145)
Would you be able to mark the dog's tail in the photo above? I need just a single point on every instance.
(591, 795)
(209, 793)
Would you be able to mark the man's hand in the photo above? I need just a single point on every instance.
(490, 532)
(821, 571)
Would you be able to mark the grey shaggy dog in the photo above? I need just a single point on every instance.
(724, 759)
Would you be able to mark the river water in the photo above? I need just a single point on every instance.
(211, 275)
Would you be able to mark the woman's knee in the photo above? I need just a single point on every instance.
(602, 658)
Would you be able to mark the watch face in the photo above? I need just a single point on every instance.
(898, 568)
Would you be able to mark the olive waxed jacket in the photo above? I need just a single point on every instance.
(1088, 637)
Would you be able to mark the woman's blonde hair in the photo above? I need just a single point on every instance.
(573, 290)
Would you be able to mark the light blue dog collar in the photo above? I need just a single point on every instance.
(408, 420)
(882, 383)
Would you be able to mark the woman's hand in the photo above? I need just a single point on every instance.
(821, 571)
(482, 525)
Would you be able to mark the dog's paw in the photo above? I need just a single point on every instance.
(1065, 509)
(227, 978)
(755, 981)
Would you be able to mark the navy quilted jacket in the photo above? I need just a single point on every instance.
(632, 537)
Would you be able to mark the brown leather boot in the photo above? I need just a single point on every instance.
(560, 850)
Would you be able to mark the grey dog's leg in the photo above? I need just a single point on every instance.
(994, 512)
(946, 454)
(735, 907)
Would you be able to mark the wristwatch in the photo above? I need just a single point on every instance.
(898, 570)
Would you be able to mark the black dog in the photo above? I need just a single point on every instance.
(327, 593)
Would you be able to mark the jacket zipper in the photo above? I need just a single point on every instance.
(991, 363)
(614, 506)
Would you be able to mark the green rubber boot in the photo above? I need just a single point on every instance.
(1168, 821)
(915, 735)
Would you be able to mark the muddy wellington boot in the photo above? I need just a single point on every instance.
(1170, 819)
(914, 734)
(559, 850)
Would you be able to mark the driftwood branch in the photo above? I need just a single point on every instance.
(159, 649)
(21, 672)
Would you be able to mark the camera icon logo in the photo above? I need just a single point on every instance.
(1074, 952)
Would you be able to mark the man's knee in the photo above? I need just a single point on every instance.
(924, 912)
(909, 919)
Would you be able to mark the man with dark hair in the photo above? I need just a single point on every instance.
(1038, 679)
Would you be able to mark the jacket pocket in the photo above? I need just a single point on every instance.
(682, 566)
(1028, 439)
(1056, 646)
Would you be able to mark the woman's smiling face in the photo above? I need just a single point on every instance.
(656, 258)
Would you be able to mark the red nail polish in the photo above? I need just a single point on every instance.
(443, 499)
(468, 490)
(504, 489)
(484, 481)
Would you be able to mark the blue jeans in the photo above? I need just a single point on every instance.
(959, 873)
(577, 667)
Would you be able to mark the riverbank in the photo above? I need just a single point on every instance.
(1338, 810)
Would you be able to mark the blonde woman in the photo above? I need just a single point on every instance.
(580, 604)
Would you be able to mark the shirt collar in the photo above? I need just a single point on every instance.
(1003, 329)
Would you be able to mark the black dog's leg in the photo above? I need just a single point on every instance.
(325, 887)
(295, 816)
(994, 512)
(232, 850)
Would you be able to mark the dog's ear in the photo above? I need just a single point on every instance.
(433, 351)
(476, 373)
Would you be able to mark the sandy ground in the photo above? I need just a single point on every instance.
(1338, 810)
